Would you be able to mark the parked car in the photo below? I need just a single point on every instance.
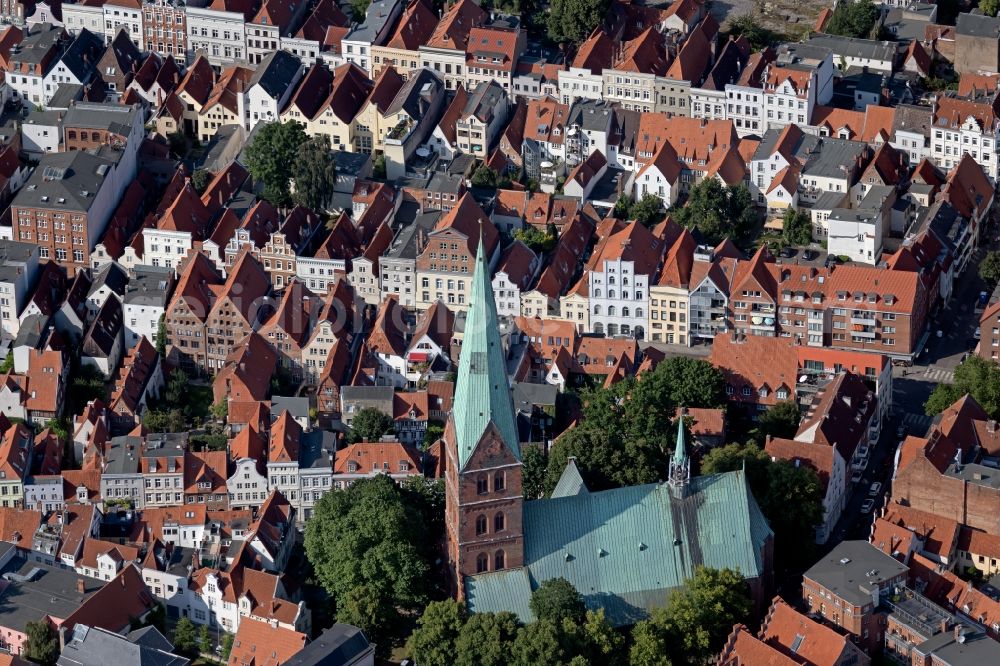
(874, 489)
(978, 333)
(809, 255)
(901, 431)
(983, 298)
(868, 506)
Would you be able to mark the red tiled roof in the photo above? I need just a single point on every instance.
(940, 534)
(643, 55)
(756, 362)
(453, 30)
(113, 607)
(261, 644)
(415, 26)
(800, 637)
(745, 649)
(952, 112)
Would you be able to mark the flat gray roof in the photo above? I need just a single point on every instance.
(51, 591)
(14, 256)
(853, 570)
(65, 181)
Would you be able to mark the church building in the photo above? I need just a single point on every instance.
(623, 549)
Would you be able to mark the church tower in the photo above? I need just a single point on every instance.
(482, 451)
(680, 465)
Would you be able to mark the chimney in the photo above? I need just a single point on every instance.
(81, 587)
(991, 426)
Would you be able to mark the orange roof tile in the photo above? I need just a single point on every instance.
(259, 644)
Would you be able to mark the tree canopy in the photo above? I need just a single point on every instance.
(989, 7)
(796, 227)
(368, 547)
(790, 497)
(977, 376)
(200, 180)
(539, 241)
(989, 267)
(696, 620)
(433, 642)
(780, 420)
(854, 19)
(185, 637)
(369, 424)
(42, 646)
(446, 634)
(314, 173)
(624, 436)
(755, 33)
(556, 599)
(572, 21)
(647, 211)
(718, 211)
(272, 157)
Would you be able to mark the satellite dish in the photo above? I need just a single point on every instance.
(423, 152)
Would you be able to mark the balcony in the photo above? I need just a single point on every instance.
(864, 320)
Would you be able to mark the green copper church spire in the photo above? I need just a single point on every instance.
(680, 466)
(482, 393)
(680, 450)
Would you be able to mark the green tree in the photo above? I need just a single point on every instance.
(484, 176)
(161, 336)
(220, 409)
(185, 637)
(227, 646)
(649, 645)
(748, 26)
(433, 641)
(601, 643)
(781, 420)
(572, 21)
(378, 166)
(556, 599)
(200, 180)
(532, 472)
(941, 398)
(796, 227)
(538, 643)
(8, 363)
(539, 241)
(434, 432)
(717, 210)
(42, 646)
(624, 434)
(989, 7)
(854, 19)
(485, 639)
(976, 376)
(622, 207)
(696, 620)
(373, 610)
(205, 643)
(314, 173)
(989, 268)
(367, 546)
(359, 9)
(271, 158)
(59, 428)
(427, 496)
(647, 211)
(369, 424)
